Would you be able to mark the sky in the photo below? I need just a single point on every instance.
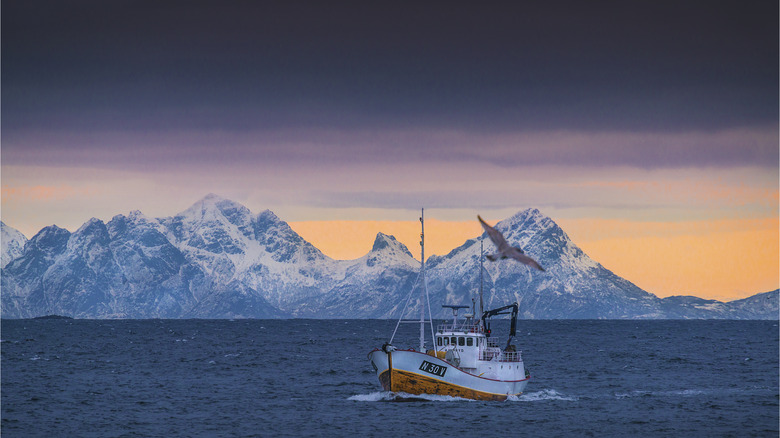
(647, 129)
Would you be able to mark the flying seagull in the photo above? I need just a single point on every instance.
(504, 250)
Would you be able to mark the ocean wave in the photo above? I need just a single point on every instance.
(671, 393)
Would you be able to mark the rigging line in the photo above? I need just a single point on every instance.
(403, 312)
(430, 317)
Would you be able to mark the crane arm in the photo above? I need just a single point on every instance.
(503, 311)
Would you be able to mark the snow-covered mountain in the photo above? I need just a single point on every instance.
(573, 285)
(214, 260)
(760, 306)
(131, 267)
(11, 244)
(260, 256)
(218, 260)
(374, 285)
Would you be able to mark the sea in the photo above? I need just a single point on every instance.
(298, 377)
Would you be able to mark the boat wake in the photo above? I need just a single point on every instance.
(673, 393)
(387, 396)
(545, 394)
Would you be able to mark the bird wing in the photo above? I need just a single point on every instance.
(495, 236)
(524, 259)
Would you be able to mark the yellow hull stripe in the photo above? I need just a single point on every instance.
(413, 383)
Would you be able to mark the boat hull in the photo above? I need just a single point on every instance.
(417, 373)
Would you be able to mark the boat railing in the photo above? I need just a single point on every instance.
(500, 356)
(510, 356)
(488, 355)
(463, 328)
(492, 342)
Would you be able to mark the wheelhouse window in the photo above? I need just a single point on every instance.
(469, 342)
(461, 341)
(454, 340)
(438, 341)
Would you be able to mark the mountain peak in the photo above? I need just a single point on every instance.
(93, 230)
(386, 242)
(382, 241)
(11, 231)
(529, 215)
(212, 207)
(92, 222)
(11, 244)
(50, 239)
(136, 215)
(526, 222)
(212, 201)
(51, 230)
(213, 197)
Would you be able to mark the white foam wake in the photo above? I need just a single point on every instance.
(545, 394)
(402, 396)
(373, 397)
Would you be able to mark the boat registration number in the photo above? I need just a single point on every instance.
(433, 368)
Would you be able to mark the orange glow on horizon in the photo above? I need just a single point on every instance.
(348, 240)
(723, 260)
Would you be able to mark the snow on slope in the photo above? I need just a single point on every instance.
(573, 285)
(372, 285)
(11, 244)
(215, 259)
(218, 260)
(24, 278)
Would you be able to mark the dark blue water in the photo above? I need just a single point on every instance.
(312, 378)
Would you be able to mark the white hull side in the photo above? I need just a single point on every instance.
(417, 373)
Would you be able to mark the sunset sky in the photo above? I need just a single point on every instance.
(648, 130)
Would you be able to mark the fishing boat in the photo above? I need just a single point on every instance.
(465, 359)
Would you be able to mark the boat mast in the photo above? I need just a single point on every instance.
(481, 268)
(424, 298)
(424, 289)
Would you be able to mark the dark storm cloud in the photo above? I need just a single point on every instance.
(326, 149)
(123, 68)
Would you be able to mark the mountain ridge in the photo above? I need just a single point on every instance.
(218, 260)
